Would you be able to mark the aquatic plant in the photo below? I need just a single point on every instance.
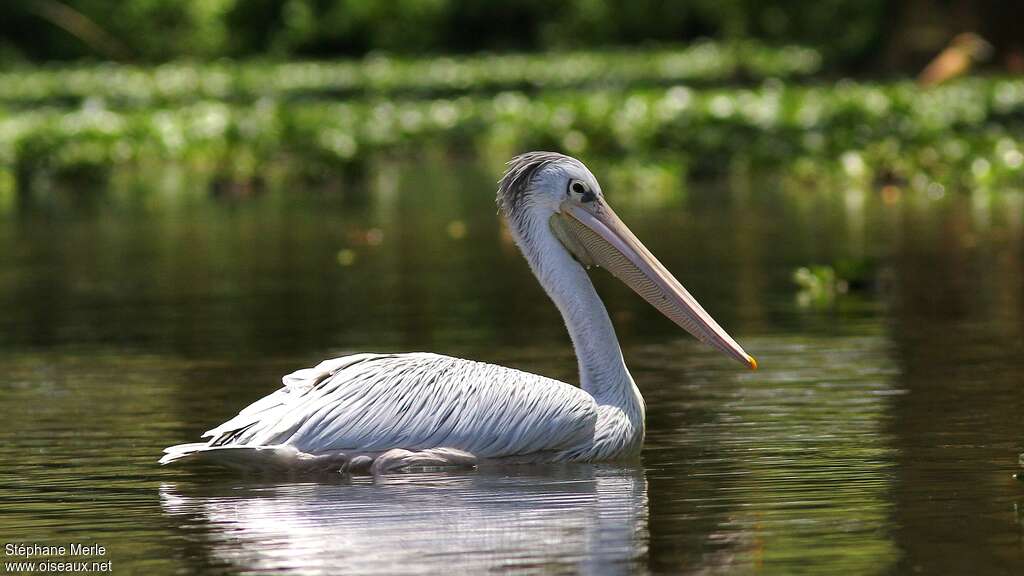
(124, 85)
(968, 133)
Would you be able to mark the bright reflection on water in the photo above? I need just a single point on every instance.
(587, 518)
(879, 436)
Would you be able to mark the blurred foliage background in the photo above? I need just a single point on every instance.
(320, 88)
(851, 34)
(161, 30)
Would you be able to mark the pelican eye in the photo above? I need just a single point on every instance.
(580, 188)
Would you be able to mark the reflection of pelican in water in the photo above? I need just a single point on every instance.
(580, 518)
(394, 411)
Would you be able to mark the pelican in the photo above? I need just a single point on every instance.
(395, 412)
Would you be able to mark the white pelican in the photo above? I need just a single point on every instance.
(389, 412)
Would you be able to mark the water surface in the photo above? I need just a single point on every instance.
(880, 435)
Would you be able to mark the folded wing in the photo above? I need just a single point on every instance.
(369, 403)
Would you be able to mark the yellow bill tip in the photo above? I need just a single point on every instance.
(753, 362)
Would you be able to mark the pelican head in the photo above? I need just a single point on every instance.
(554, 199)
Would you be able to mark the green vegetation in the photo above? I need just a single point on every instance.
(821, 284)
(963, 134)
(167, 30)
(123, 85)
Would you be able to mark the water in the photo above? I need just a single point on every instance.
(880, 436)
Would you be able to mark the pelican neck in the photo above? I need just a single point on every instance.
(602, 369)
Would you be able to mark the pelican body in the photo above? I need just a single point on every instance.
(393, 412)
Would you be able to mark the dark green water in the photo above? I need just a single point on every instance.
(880, 436)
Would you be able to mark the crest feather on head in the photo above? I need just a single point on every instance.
(514, 185)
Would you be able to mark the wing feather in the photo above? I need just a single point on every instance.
(371, 403)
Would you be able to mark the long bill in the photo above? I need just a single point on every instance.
(596, 236)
